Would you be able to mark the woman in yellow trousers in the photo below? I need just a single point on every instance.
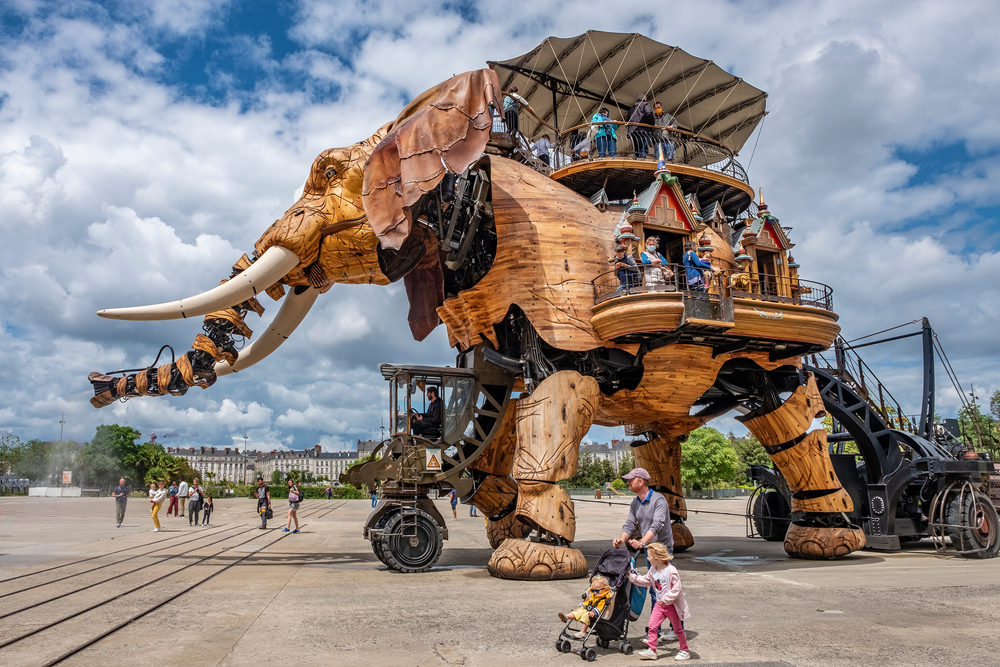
(157, 500)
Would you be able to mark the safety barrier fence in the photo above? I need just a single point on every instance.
(644, 278)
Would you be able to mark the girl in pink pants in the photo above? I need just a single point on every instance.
(670, 601)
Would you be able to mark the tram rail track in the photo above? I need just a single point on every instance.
(317, 513)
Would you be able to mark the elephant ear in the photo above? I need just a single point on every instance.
(445, 129)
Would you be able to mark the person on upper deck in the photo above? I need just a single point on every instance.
(693, 266)
(607, 141)
(511, 110)
(641, 113)
(625, 268)
(542, 148)
(657, 271)
(665, 141)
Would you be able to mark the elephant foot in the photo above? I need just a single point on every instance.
(683, 539)
(822, 542)
(506, 528)
(533, 561)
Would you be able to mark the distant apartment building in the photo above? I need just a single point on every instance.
(225, 463)
(314, 461)
(366, 447)
(613, 453)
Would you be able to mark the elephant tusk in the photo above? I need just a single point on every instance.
(273, 265)
(291, 314)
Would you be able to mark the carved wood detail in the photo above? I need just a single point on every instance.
(494, 495)
(498, 458)
(550, 424)
(820, 543)
(517, 559)
(509, 527)
(546, 506)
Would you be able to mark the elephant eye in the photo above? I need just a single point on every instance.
(330, 173)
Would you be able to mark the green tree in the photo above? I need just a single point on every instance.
(708, 459)
(625, 463)
(277, 478)
(108, 456)
(33, 461)
(995, 404)
(10, 451)
(978, 429)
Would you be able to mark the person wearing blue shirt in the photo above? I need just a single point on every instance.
(693, 266)
(607, 141)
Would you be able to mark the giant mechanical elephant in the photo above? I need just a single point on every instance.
(504, 255)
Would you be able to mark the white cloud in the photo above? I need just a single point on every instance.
(120, 186)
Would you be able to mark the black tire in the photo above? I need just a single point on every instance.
(377, 543)
(412, 541)
(981, 537)
(589, 654)
(602, 642)
(566, 646)
(627, 648)
(770, 516)
(559, 646)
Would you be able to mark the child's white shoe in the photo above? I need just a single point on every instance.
(682, 655)
(671, 636)
(647, 655)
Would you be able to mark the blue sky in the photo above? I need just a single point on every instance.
(144, 146)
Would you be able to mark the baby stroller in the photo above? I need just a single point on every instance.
(612, 625)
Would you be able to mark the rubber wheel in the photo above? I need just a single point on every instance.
(627, 648)
(566, 646)
(377, 543)
(559, 646)
(769, 513)
(589, 654)
(983, 531)
(412, 541)
(602, 642)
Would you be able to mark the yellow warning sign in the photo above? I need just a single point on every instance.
(433, 459)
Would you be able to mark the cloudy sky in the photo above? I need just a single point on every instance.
(145, 145)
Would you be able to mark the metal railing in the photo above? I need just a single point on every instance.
(858, 375)
(618, 140)
(740, 285)
(638, 141)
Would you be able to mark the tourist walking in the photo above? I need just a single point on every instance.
(195, 496)
(182, 495)
(206, 510)
(120, 494)
(159, 495)
(294, 498)
(263, 495)
(329, 492)
(172, 507)
(648, 519)
(472, 511)
(374, 498)
(453, 496)
(669, 601)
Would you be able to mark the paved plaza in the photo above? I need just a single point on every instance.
(322, 598)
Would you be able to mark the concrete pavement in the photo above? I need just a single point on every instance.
(321, 597)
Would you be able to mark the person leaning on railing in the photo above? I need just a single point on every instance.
(511, 111)
(625, 269)
(542, 147)
(607, 141)
(665, 122)
(657, 273)
(693, 267)
(640, 113)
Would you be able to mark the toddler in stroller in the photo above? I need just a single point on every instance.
(606, 609)
(593, 605)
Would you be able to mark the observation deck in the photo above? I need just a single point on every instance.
(775, 314)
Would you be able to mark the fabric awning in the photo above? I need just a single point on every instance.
(577, 75)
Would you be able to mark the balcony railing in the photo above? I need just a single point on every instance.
(618, 140)
(739, 285)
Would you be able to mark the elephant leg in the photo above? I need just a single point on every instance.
(803, 458)
(550, 423)
(662, 460)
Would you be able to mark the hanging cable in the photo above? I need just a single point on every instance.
(881, 332)
(760, 130)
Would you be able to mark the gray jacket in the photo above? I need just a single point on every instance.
(653, 514)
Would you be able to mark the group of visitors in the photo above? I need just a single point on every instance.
(697, 263)
(181, 495)
(647, 529)
(295, 497)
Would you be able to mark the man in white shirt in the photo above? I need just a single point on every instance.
(182, 495)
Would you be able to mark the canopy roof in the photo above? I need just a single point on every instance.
(578, 75)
